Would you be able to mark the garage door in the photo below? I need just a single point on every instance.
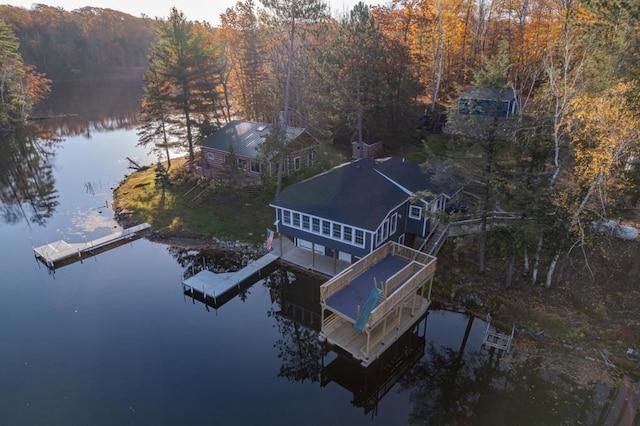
(308, 245)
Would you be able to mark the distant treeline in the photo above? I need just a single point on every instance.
(86, 43)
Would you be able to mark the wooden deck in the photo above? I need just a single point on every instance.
(53, 254)
(214, 285)
(401, 275)
(367, 347)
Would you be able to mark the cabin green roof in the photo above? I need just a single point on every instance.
(244, 138)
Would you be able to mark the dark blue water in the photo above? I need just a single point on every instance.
(114, 341)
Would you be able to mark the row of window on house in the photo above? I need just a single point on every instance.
(257, 167)
(326, 228)
(344, 233)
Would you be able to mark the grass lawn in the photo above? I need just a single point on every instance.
(194, 207)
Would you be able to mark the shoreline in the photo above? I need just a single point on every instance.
(559, 357)
(202, 242)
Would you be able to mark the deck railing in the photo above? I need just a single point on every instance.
(399, 296)
(399, 277)
(471, 225)
(410, 254)
(341, 280)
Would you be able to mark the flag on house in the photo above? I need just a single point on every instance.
(270, 234)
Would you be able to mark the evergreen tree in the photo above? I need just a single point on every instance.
(20, 85)
(183, 62)
(287, 14)
(157, 127)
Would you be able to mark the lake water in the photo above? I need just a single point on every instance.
(113, 340)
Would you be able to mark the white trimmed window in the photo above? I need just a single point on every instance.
(337, 231)
(296, 220)
(394, 224)
(347, 233)
(315, 225)
(296, 163)
(256, 166)
(211, 156)
(305, 222)
(415, 212)
(359, 237)
(326, 227)
(286, 217)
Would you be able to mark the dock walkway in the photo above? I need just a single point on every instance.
(214, 285)
(53, 253)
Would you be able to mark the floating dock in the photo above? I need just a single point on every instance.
(53, 254)
(213, 285)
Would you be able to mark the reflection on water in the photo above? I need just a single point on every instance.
(113, 340)
(86, 107)
(27, 185)
(371, 384)
(440, 363)
(297, 318)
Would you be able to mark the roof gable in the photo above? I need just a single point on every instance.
(244, 138)
(415, 178)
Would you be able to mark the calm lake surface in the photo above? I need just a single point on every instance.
(114, 341)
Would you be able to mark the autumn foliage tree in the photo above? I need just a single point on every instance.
(20, 85)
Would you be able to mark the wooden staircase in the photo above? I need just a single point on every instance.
(434, 242)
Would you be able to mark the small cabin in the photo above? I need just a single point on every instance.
(488, 102)
(241, 142)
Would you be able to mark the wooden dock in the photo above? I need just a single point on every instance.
(496, 339)
(213, 285)
(403, 276)
(53, 254)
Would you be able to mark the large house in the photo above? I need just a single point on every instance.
(241, 142)
(350, 210)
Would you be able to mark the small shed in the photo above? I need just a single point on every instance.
(488, 102)
(365, 150)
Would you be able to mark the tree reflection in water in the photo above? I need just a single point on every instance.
(27, 185)
(297, 317)
(446, 386)
(452, 387)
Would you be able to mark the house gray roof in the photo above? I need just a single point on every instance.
(360, 193)
(415, 178)
(489, 94)
(243, 138)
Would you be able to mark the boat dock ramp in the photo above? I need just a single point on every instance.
(62, 253)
